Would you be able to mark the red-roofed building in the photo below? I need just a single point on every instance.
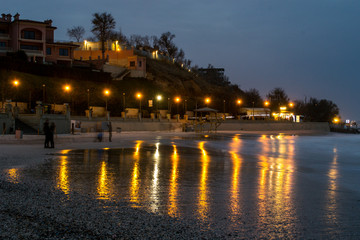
(35, 38)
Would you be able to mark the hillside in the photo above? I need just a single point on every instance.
(163, 78)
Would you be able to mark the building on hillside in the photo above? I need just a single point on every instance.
(122, 60)
(35, 38)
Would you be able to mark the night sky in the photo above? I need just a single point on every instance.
(310, 48)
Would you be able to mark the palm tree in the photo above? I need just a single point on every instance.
(103, 24)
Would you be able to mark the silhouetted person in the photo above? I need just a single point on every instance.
(110, 131)
(46, 129)
(52, 132)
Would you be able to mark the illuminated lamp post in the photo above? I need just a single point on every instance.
(139, 96)
(158, 99)
(107, 94)
(266, 103)
(67, 90)
(207, 101)
(177, 100)
(238, 103)
(16, 84)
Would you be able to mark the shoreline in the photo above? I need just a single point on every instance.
(30, 150)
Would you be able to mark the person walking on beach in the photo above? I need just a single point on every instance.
(52, 132)
(46, 129)
(110, 131)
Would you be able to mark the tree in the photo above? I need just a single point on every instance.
(317, 110)
(76, 33)
(103, 24)
(119, 36)
(167, 45)
(252, 98)
(277, 98)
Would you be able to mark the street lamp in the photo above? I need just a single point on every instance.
(107, 94)
(266, 103)
(207, 101)
(139, 96)
(158, 99)
(16, 83)
(177, 100)
(238, 103)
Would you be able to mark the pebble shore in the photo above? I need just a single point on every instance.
(30, 209)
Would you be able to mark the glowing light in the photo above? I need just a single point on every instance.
(106, 92)
(63, 176)
(207, 100)
(16, 83)
(283, 108)
(267, 103)
(291, 104)
(203, 194)
(336, 120)
(177, 99)
(103, 187)
(238, 101)
(134, 187)
(159, 97)
(138, 95)
(67, 88)
(13, 175)
(173, 208)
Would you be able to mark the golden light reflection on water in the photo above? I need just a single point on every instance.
(235, 147)
(63, 175)
(173, 194)
(135, 185)
(275, 180)
(103, 187)
(13, 175)
(333, 175)
(203, 205)
(155, 181)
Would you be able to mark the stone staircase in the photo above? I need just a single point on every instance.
(28, 123)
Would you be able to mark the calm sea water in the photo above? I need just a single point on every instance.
(305, 186)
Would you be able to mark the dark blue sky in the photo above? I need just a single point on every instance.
(310, 48)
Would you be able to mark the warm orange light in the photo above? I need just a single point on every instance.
(177, 99)
(266, 103)
(16, 83)
(336, 120)
(207, 100)
(107, 92)
(159, 97)
(238, 101)
(283, 108)
(291, 104)
(138, 95)
(67, 88)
